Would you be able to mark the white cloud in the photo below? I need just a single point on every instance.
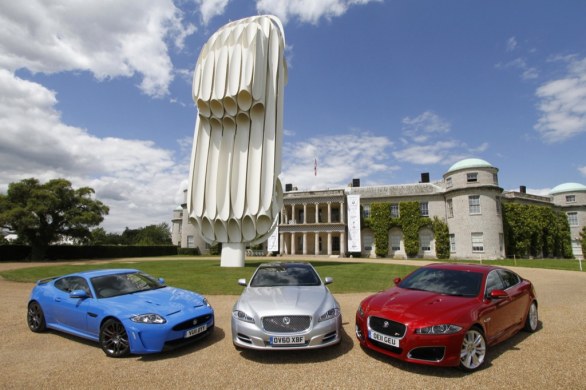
(211, 8)
(136, 179)
(511, 44)
(339, 159)
(582, 170)
(108, 38)
(562, 104)
(527, 72)
(420, 128)
(308, 11)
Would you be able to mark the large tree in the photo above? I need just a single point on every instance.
(41, 214)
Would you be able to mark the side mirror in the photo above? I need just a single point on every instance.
(397, 280)
(78, 294)
(162, 281)
(242, 282)
(328, 280)
(498, 294)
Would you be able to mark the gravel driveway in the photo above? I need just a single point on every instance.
(553, 357)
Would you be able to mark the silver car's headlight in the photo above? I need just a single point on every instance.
(439, 329)
(328, 315)
(149, 319)
(242, 316)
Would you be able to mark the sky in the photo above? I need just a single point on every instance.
(99, 92)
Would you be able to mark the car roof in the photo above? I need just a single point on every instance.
(102, 272)
(284, 264)
(482, 268)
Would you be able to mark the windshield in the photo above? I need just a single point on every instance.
(285, 275)
(443, 281)
(119, 284)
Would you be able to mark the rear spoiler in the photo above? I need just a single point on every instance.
(46, 280)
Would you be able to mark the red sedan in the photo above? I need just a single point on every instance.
(447, 314)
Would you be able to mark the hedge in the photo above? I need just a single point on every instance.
(74, 252)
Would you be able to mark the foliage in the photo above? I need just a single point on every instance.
(536, 231)
(380, 218)
(41, 214)
(149, 235)
(411, 222)
(442, 238)
(583, 240)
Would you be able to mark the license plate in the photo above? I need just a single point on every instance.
(287, 340)
(195, 331)
(383, 338)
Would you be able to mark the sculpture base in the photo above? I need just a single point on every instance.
(232, 254)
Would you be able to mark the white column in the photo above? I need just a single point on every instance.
(316, 243)
(304, 243)
(293, 243)
(329, 243)
(342, 244)
(342, 212)
(329, 212)
(317, 213)
(304, 213)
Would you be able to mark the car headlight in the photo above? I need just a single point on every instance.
(328, 315)
(439, 329)
(206, 303)
(149, 319)
(242, 316)
(360, 311)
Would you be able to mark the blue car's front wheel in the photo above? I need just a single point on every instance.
(114, 339)
(35, 317)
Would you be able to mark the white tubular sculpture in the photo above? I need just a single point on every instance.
(234, 194)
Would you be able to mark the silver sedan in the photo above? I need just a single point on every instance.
(286, 306)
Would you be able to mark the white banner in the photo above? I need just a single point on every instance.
(273, 241)
(354, 244)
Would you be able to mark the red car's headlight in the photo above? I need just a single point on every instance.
(439, 329)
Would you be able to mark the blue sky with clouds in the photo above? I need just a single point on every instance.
(99, 92)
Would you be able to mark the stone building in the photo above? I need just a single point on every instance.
(468, 198)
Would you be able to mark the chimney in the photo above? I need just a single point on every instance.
(425, 177)
(523, 189)
(288, 187)
(355, 182)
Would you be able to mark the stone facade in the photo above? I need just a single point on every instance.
(468, 198)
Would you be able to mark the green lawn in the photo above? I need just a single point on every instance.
(207, 277)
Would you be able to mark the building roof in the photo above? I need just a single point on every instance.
(567, 187)
(470, 163)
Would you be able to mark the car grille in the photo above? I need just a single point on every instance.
(193, 322)
(387, 327)
(286, 324)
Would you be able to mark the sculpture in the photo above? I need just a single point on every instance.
(234, 192)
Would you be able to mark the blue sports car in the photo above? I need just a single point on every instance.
(125, 310)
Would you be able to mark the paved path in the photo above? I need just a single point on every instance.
(553, 357)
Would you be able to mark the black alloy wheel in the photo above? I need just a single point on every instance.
(35, 317)
(114, 339)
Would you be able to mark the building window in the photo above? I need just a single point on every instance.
(452, 243)
(570, 198)
(425, 239)
(501, 242)
(424, 209)
(498, 206)
(495, 179)
(450, 208)
(366, 211)
(335, 214)
(394, 210)
(449, 182)
(472, 177)
(573, 219)
(190, 242)
(477, 242)
(474, 204)
(395, 242)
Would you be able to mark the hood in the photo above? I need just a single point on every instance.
(412, 306)
(164, 301)
(293, 300)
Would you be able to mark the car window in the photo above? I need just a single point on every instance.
(444, 281)
(494, 282)
(72, 283)
(285, 275)
(509, 278)
(119, 284)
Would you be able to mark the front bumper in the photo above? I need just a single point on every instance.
(319, 335)
(432, 350)
(177, 332)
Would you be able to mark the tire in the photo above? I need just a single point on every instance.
(35, 317)
(532, 320)
(114, 339)
(473, 350)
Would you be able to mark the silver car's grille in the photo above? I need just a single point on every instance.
(286, 324)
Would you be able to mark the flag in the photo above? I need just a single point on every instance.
(315, 167)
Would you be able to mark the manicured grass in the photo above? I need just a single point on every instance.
(207, 277)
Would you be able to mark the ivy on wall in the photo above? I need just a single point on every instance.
(536, 231)
(583, 240)
(410, 221)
